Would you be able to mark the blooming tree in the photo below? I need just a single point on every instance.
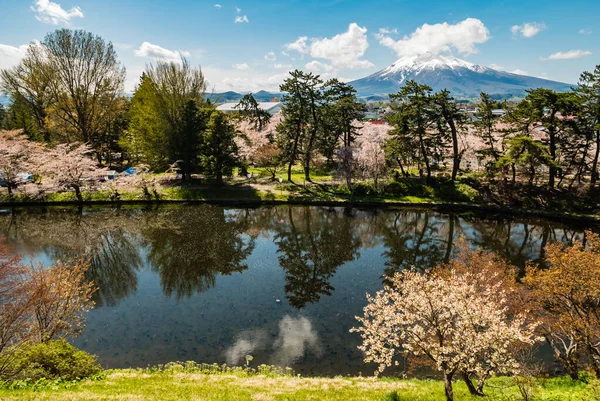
(346, 164)
(455, 324)
(16, 157)
(370, 155)
(39, 303)
(71, 166)
(567, 295)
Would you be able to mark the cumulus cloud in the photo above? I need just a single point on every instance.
(52, 13)
(242, 66)
(280, 66)
(270, 56)
(528, 29)
(585, 31)
(240, 19)
(342, 51)
(300, 45)
(571, 54)
(437, 38)
(160, 53)
(319, 67)
(238, 10)
(345, 49)
(11, 55)
(218, 5)
(518, 72)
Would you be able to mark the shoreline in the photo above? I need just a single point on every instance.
(444, 207)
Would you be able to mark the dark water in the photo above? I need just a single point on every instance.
(282, 284)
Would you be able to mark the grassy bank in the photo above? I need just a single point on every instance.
(184, 384)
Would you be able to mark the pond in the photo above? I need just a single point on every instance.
(283, 284)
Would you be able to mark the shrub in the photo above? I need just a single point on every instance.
(363, 189)
(396, 188)
(55, 360)
(457, 192)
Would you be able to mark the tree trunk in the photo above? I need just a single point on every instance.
(595, 162)
(472, 389)
(425, 156)
(401, 167)
(448, 386)
(455, 154)
(77, 189)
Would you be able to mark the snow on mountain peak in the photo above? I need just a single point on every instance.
(429, 61)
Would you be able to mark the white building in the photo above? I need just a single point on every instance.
(271, 107)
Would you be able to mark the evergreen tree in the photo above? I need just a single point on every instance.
(450, 119)
(299, 132)
(589, 90)
(218, 155)
(485, 124)
(412, 119)
(249, 109)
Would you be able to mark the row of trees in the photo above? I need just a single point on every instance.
(69, 88)
(558, 132)
(472, 318)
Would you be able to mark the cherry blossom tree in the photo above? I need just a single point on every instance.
(71, 167)
(370, 155)
(346, 164)
(268, 156)
(454, 323)
(16, 157)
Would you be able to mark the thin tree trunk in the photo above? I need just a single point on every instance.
(472, 389)
(595, 162)
(448, 386)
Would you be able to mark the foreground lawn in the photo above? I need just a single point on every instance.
(183, 385)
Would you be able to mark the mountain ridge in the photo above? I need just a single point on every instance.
(460, 77)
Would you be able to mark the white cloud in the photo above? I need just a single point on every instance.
(242, 80)
(342, 51)
(52, 13)
(388, 31)
(519, 72)
(238, 10)
(218, 5)
(160, 53)
(345, 49)
(242, 66)
(585, 31)
(284, 53)
(240, 19)
(280, 66)
(571, 54)
(270, 56)
(300, 45)
(10, 55)
(528, 29)
(496, 66)
(438, 38)
(319, 67)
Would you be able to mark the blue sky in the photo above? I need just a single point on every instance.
(250, 45)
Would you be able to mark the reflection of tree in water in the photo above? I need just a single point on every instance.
(107, 238)
(312, 244)
(189, 247)
(419, 239)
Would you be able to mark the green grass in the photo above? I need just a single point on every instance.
(181, 383)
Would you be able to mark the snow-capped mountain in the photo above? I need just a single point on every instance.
(462, 78)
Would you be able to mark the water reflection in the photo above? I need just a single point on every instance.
(283, 284)
(188, 248)
(312, 245)
(295, 339)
